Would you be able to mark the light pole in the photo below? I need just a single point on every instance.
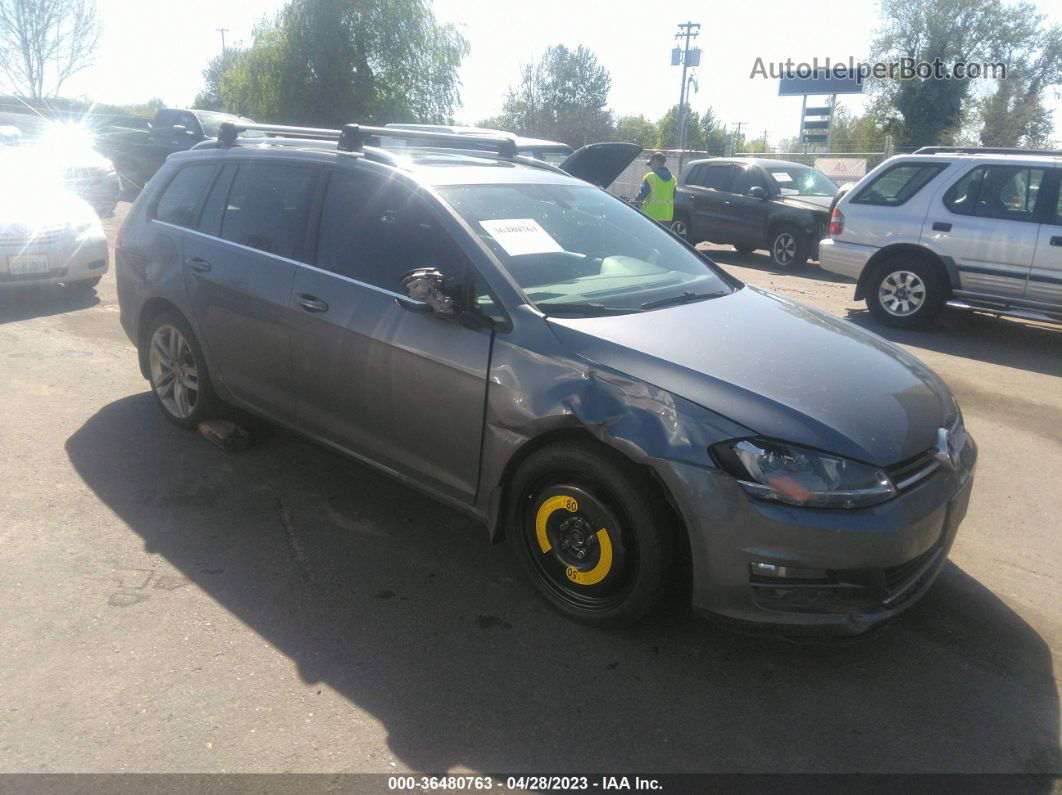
(687, 31)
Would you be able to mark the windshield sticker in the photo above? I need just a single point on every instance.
(521, 236)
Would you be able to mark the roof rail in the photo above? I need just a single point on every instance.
(353, 137)
(984, 150)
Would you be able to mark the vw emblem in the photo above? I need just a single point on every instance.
(948, 448)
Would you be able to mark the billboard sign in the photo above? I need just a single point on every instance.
(836, 80)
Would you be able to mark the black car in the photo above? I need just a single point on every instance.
(752, 203)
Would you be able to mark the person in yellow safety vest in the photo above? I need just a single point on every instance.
(658, 190)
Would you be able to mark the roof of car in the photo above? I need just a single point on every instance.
(430, 166)
(756, 161)
(981, 157)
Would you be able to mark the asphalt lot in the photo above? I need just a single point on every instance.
(169, 607)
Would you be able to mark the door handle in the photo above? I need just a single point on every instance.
(1056, 240)
(941, 226)
(311, 303)
(198, 265)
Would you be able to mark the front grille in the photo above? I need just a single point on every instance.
(30, 238)
(903, 580)
(914, 470)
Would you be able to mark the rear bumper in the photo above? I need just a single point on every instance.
(878, 561)
(846, 259)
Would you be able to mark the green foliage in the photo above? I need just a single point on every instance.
(328, 62)
(562, 97)
(636, 130)
(714, 133)
(668, 129)
(967, 30)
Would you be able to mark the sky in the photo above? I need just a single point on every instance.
(152, 48)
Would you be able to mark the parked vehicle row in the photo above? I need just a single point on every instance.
(498, 333)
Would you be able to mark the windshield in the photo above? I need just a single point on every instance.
(576, 250)
(212, 124)
(801, 181)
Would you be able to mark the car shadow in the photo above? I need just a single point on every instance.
(402, 606)
(762, 261)
(23, 302)
(1007, 342)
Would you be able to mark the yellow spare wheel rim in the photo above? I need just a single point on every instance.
(577, 541)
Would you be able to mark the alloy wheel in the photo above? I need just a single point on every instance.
(678, 226)
(174, 372)
(902, 293)
(784, 248)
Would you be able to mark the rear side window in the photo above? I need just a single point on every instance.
(268, 206)
(179, 203)
(1009, 192)
(714, 177)
(895, 185)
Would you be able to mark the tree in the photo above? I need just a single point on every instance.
(951, 31)
(210, 97)
(1014, 114)
(44, 42)
(636, 130)
(561, 97)
(714, 133)
(668, 128)
(329, 62)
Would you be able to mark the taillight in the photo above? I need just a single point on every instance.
(836, 222)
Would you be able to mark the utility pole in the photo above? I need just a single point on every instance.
(764, 140)
(687, 31)
(222, 31)
(737, 133)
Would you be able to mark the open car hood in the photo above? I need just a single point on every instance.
(600, 164)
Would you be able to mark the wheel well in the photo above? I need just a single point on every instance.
(151, 310)
(583, 436)
(909, 249)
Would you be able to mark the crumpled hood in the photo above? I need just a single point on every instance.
(816, 203)
(782, 369)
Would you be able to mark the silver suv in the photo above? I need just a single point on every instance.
(537, 353)
(973, 228)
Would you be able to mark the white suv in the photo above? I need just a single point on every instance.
(974, 228)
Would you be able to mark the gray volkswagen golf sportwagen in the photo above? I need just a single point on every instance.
(513, 340)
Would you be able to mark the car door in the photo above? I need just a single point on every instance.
(986, 221)
(746, 216)
(377, 378)
(239, 272)
(709, 199)
(1045, 277)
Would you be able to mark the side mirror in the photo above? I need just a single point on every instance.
(758, 192)
(426, 289)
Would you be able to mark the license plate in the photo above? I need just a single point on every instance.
(28, 263)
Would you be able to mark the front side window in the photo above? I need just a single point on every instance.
(797, 180)
(179, 203)
(375, 230)
(896, 184)
(267, 207)
(748, 178)
(575, 250)
(961, 197)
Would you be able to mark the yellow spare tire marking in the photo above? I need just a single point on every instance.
(545, 511)
(600, 571)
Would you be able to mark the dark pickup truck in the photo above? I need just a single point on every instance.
(139, 151)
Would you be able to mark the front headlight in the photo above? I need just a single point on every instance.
(790, 474)
(89, 228)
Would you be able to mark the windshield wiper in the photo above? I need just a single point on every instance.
(684, 298)
(587, 310)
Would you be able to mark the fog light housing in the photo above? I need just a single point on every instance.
(759, 569)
